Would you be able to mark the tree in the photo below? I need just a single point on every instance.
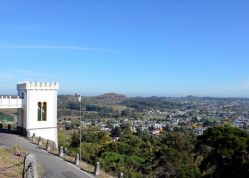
(90, 152)
(229, 152)
(116, 132)
(64, 138)
(126, 113)
(75, 139)
(112, 161)
(126, 128)
(94, 135)
(170, 163)
(179, 141)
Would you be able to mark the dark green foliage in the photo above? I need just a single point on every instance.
(90, 152)
(112, 161)
(6, 118)
(115, 162)
(179, 141)
(169, 162)
(210, 122)
(141, 104)
(126, 129)
(116, 132)
(92, 135)
(228, 153)
(119, 147)
(219, 152)
(75, 141)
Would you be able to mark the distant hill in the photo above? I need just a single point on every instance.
(112, 95)
(119, 102)
(109, 99)
(105, 100)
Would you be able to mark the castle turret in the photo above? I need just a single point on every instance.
(38, 114)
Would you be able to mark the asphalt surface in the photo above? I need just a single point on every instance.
(53, 167)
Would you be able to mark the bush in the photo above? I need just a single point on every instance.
(90, 152)
(112, 161)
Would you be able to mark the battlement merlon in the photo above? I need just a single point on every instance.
(26, 85)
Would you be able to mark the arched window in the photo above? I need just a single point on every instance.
(39, 111)
(44, 111)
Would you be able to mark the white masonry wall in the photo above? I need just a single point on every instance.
(33, 93)
(45, 129)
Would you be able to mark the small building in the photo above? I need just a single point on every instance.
(37, 109)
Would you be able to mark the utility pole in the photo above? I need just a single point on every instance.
(77, 95)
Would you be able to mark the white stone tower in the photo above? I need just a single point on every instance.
(38, 114)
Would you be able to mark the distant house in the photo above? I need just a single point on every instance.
(198, 131)
(155, 131)
(241, 122)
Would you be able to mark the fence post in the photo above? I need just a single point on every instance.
(61, 152)
(30, 167)
(121, 175)
(48, 147)
(33, 137)
(77, 159)
(40, 142)
(97, 169)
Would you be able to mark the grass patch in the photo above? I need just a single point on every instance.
(11, 165)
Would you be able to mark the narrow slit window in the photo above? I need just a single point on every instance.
(44, 111)
(39, 111)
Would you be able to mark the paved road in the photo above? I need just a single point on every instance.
(53, 167)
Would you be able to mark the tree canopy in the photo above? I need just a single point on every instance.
(227, 152)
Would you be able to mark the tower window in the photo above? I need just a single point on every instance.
(42, 111)
(39, 111)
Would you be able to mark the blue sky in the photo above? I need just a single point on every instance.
(137, 48)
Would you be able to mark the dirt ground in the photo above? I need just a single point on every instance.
(11, 163)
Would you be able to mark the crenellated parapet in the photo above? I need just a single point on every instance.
(37, 85)
(7, 102)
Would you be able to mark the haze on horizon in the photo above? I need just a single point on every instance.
(136, 48)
